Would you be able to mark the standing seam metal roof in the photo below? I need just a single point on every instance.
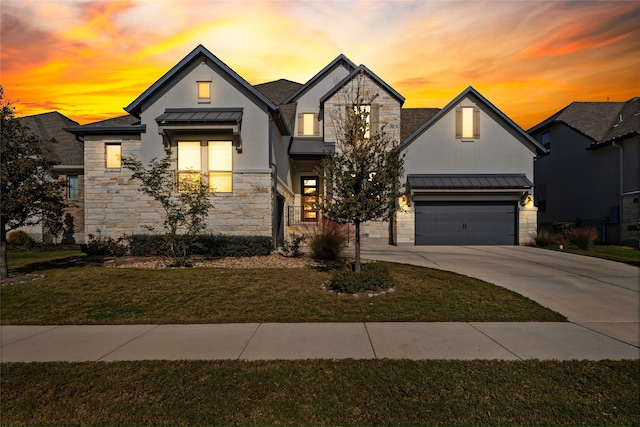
(469, 181)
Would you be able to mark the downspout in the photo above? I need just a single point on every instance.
(274, 168)
(620, 188)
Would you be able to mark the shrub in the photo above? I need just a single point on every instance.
(216, 245)
(105, 246)
(563, 227)
(327, 240)
(583, 238)
(239, 246)
(543, 239)
(147, 245)
(20, 238)
(293, 245)
(372, 277)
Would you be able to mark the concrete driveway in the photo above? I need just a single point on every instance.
(600, 295)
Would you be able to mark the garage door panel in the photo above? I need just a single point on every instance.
(465, 223)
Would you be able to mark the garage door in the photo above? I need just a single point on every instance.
(465, 223)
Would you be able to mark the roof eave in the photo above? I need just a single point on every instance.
(313, 80)
(107, 130)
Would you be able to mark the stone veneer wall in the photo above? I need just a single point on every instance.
(527, 224)
(630, 220)
(114, 206)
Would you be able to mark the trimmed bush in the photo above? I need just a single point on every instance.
(543, 239)
(372, 277)
(105, 246)
(583, 238)
(215, 245)
(327, 240)
(20, 238)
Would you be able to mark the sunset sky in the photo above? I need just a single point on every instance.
(89, 59)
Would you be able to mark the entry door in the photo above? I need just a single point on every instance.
(465, 223)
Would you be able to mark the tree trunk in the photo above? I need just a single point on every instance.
(4, 266)
(357, 262)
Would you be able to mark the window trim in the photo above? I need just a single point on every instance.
(301, 124)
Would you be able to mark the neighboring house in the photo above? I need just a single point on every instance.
(591, 174)
(67, 154)
(262, 146)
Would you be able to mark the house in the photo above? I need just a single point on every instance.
(590, 174)
(67, 154)
(262, 146)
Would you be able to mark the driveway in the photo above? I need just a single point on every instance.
(600, 295)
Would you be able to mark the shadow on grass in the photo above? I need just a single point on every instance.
(57, 264)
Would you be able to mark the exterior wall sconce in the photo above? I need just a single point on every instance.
(526, 199)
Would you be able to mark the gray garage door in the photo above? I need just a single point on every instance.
(465, 223)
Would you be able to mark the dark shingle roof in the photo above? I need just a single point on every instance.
(121, 125)
(592, 119)
(278, 90)
(67, 150)
(469, 181)
(626, 123)
(412, 118)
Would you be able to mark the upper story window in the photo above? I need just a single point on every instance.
(72, 187)
(546, 140)
(204, 92)
(467, 123)
(308, 124)
(213, 158)
(113, 156)
(365, 113)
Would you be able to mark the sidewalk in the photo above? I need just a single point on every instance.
(267, 341)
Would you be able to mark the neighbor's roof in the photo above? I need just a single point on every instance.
(340, 60)
(67, 151)
(592, 119)
(627, 123)
(468, 181)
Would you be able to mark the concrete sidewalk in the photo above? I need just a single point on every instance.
(268, 341)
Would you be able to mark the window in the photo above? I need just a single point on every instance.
(467, 123)
(216, 162)
(308, 124)
(546, 140)
(204, 91)
(310, 198)
(72, 187)
(365, 113)
(220, 159)
(113, 156)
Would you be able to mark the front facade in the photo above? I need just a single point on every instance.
(590, 174)
(262, 148)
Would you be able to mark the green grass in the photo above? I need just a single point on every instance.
(70, 294)
(623, 254)
(346, 392)
(28, 261)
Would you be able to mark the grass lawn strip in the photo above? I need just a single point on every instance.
(348, 392)
(623, 254)
(98, 295)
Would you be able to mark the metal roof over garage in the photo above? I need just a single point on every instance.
(468, 181)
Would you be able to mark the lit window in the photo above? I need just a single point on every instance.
(467, 123)
(365, 114)
(204, 91)
(113, 156)
(72, 187)
(310, 198)
(308, 124)
(220, 160)
(189, 163)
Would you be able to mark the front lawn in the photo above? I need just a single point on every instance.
(625, 254)
(321, 392)
(70, 294)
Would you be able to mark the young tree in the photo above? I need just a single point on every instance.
(185, 210)
(362, 176)
(29, 193)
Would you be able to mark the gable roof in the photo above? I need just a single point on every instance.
(626, 124)
(470, 91)
(591, 119)
(67, 151)
(340, 60)
(363, 70)
(277, 91)
(199, 53)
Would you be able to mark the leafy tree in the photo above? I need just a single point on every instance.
(29, 193)
(362, 176)
(185, 210)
